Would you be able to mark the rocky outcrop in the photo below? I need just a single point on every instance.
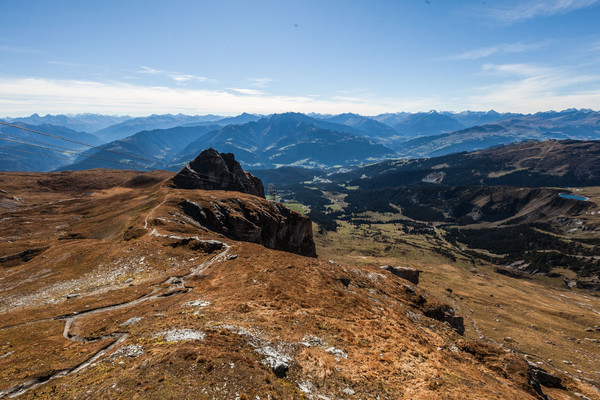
(241, 217)
(410, 274)
(212, 170)
(22, 256)
(542, 377)
(258, 221)
(445, 313)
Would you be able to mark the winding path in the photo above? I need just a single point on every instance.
(176, 286)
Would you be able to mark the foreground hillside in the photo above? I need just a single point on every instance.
(111, 289)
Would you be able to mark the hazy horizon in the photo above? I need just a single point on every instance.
(227, 115)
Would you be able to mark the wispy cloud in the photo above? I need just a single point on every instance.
(517, 87)
(65, 64)
(259, 82)
(528, 9)
(504, 48)
(531, 88)
(179, 77)
(247, 91)
(19, 49)
(594, 47)
(27, 95)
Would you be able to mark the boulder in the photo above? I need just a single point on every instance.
(410, 274)
(212, 170)
(445, 313)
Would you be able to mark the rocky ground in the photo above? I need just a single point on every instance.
(110, 289)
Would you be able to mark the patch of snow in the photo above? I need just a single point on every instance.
(336, 352)
(306, 387)
(131, 321)
(434, 177)
(133, 350)
(375, 276)
(275, 357)
(311, 340)
(178, 335)
(198, 303)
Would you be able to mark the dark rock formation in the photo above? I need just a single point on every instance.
(543, 377)
(22, 256)
(511, 273)
(410, 274)
(212, 170)
(445, 313)
(268, 223)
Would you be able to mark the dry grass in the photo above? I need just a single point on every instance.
(372, 334)
(538, 316)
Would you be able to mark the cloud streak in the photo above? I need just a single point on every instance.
(17, 49)
(259, 82)
(516, 87)
(246, 91)
(529, 9)
(178, 77)
(27, 95)
(504, 48)
(532, 88)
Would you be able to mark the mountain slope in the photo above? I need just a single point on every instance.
(160, 145)
(20, 157)
(26, 151)
(370, 127)
(536, 164)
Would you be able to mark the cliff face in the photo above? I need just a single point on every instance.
(253, 220)
(212, 170)
(237, 216)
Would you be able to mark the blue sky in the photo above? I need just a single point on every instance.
(226, 57)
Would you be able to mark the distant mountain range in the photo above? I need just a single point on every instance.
(281, 139)
(237, 120)
(165, 121)
(290, 139)
(420, 124)
(368, 126)
(568, 124)
(89, 123)
(293, 139)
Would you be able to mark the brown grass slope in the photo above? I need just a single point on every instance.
(129, 297)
